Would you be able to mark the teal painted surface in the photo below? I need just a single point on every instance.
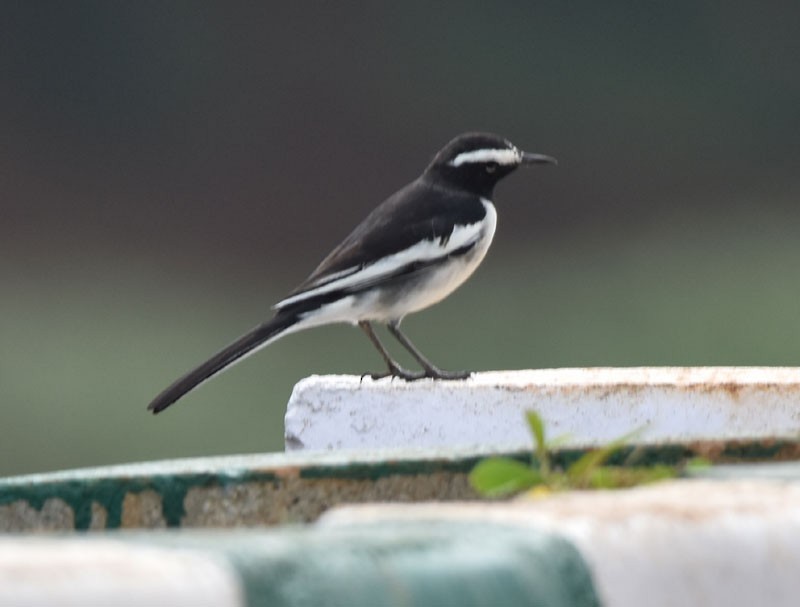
(403, 564)
(79, 493)
(172, 480)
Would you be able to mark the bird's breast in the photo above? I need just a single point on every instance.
(432, 285)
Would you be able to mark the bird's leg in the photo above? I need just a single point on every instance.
(395, 370)
(431, 370)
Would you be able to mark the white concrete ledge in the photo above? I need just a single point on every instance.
(591, 406)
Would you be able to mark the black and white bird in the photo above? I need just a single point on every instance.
(411, 252)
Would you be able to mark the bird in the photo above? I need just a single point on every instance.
(409, 253)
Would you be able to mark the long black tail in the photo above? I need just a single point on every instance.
(246, 344)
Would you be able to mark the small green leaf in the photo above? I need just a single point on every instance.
(536, 426)
(499, 476)
(581, 471)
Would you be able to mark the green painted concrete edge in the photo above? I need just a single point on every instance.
(398, 564)
(173, 479)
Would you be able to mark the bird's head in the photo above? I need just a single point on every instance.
(477, 161)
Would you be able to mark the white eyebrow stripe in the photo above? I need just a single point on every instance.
(425, 250)
(500, 156)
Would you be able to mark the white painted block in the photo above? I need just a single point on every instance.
(590, 406)
(672, 544)
(60, 572)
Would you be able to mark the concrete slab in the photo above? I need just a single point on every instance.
(698, 542)
(589, 406)
(86, 573)
(439, 564)
(228, 491)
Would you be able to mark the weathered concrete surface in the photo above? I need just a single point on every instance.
(227, 491)
(87, 573)
(399, 565)
(698, 542)
(589, 406)
(53, 515)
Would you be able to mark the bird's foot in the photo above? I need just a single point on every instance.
(397, 371)
(436, 373)
(429, 373)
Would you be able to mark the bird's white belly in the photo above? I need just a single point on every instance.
(391, 304)
(439, 283)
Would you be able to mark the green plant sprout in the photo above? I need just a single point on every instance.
(502, 476)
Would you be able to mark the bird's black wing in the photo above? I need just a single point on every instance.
(417, 213)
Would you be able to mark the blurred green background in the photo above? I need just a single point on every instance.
(169, 170)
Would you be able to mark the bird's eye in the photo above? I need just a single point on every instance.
(491, 167)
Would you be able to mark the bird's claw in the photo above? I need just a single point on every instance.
(396, 371)
(432, 373)
(436, 373)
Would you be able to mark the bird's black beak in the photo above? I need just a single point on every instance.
(528, 158)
